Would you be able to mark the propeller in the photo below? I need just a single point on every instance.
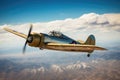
(29, 39)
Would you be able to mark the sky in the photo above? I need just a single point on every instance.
(24, 11)
(75, 18)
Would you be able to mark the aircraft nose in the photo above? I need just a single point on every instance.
(30, 39)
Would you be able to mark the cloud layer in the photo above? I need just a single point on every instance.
(86, 21)
(106, 27)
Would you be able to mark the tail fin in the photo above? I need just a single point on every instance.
(90, 40)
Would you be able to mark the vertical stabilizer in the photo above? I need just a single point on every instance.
(90, 40)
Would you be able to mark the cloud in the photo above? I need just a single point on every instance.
(106, 28)
(86, 21)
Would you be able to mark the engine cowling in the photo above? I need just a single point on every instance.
(37, 40)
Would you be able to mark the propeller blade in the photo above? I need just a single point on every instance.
(30, 30)
(24, 48)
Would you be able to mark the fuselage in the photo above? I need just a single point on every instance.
(66, 43)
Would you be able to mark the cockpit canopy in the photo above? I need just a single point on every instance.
(55, 33)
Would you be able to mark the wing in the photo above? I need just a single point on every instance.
(15, 32)
(73, 47)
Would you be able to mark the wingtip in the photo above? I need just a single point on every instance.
(101, 48)
(5, 28)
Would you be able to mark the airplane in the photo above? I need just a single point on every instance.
(56, 40)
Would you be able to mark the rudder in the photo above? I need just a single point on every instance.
(90, 40)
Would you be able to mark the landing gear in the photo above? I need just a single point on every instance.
(41, 48)
(88, 55)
